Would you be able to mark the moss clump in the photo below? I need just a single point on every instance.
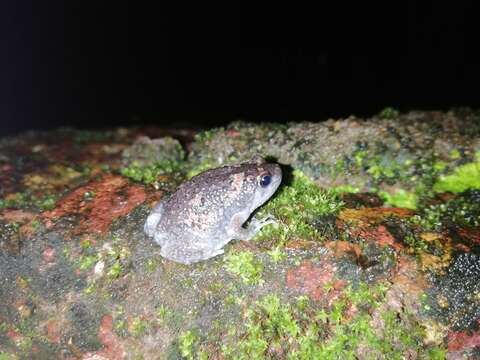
(389, 113)
(165, 173)
(300, 330)
(401, 198)
(464, 210)
(186, 343)
(26, 200)
(277, 254)
(163, 313)
(381, 165)
(462, 178)
(138, 327)
(297, 207)
(346, 189)
(6, 356)
(246, 266)
(85, 262)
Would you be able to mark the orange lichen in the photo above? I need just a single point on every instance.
(344, 248)
(55, 178)
(371, 216)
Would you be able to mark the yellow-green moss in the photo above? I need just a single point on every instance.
(401, 198)
(389, 113)
(245, 265)
(462, 178)
(26, 200)
(300, 330)
(297, 206)
(165, 173)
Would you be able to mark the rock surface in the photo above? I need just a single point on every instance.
(376, 253)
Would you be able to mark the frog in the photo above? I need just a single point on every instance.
(211, 209)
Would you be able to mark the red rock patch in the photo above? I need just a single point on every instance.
(379, 234)
(458, 341)
(313, 279)
(113, 197)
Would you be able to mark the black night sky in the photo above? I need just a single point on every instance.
(93, 64)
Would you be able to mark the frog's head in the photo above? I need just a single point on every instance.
(267, 180)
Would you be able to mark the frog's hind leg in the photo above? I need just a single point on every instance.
(153, 218)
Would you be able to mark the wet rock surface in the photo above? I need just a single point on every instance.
(375, 253)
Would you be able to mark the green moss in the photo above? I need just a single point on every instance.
(156, 175)
(299, 330)
(277, 254)
(115, 270)
(464, 210)
(91, 288)
(206, 135)
(3, 327)
(138, 327)
(163, 312)
(462, 178)
(342, 189)
(437, 354)
(455, 154)
(389, 113)
(297, 207)
(381, 165)
(246, 266)
(6, 356)
(186, 343)
(401, 198)
(86, 245)
(26, 200)
(85, 262)
(151, 265)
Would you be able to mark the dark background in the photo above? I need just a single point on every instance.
(93, 64)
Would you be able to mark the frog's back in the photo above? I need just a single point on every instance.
(199, 206)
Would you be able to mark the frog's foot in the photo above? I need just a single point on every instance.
(246, 233)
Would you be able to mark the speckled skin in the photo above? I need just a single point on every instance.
(208, 211)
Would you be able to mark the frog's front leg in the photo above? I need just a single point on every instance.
(237, 231)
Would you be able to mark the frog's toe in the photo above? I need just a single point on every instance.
(269, 219)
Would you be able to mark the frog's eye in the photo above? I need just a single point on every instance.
(265, 180)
